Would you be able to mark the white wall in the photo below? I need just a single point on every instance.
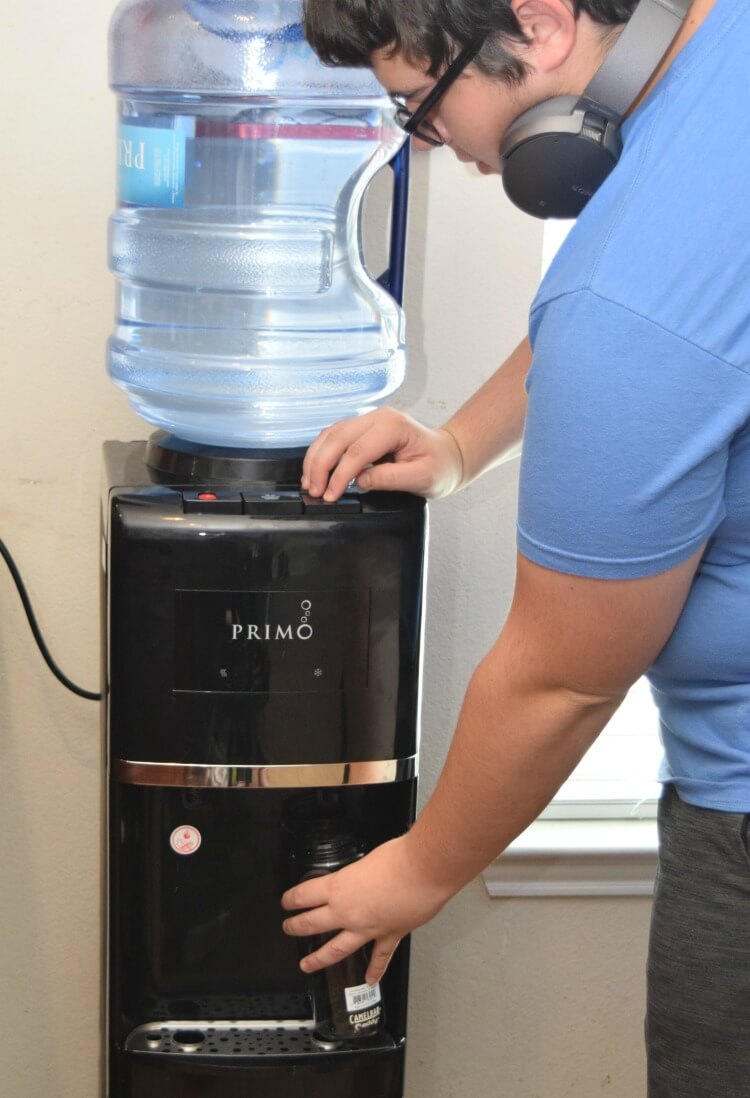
(524, 999)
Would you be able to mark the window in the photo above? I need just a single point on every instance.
(618, 774)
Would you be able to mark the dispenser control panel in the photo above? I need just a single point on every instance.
(268, 642)
(270, 504)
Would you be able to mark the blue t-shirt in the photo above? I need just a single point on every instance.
(637, 442)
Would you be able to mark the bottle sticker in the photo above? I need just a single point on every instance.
(151, 166)
(185, 839)
(364, 995)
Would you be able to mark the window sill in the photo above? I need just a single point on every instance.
(577, 858)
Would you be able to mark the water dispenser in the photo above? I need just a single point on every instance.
(262, 648)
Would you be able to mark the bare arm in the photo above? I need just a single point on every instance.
(489, 426)
(432, 462)
(567, 655)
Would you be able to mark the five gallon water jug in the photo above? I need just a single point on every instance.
(246, 316)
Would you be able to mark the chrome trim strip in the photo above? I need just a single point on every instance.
(302, 776)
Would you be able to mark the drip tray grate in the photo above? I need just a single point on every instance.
(231, 1039)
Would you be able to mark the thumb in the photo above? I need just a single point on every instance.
(394, 476)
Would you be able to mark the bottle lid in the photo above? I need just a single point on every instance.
(325, 843)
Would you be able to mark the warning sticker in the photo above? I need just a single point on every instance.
(185, 839)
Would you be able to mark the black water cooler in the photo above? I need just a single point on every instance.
(263, 671)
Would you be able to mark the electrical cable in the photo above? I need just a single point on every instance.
(88, 694)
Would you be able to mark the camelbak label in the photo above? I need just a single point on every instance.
(361, 997)
(151, 166)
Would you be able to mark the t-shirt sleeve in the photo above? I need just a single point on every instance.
(626, 443)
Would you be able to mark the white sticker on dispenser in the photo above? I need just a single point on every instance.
(185, 839)
(364, 995)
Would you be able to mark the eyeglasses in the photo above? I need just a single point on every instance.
(415, 122)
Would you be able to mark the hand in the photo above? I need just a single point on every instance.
(378, 899)
(426, 462)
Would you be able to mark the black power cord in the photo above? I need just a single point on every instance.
(88, 694)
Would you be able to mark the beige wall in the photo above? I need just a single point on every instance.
(524, 999)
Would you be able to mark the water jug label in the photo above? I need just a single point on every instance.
(364, 995)
(151, 166)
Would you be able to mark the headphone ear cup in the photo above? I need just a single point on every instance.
(553, 160)
(556, 154)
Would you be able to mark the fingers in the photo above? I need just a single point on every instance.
(346, 943)
(382, 952)
(342, 452)
(318, 921)
(324, 453)
(368, 901)
(343, 945)
(312, 893)
(411, 476)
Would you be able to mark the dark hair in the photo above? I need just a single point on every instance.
(347, 32)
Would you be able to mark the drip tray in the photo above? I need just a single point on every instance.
(231, 1039)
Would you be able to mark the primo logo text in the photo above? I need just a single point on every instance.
(267, 632)
(132, 154)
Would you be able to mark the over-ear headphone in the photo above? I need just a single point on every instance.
(555, 155)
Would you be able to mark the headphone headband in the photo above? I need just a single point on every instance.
(634, 57)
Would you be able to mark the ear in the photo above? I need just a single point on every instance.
(550, 27)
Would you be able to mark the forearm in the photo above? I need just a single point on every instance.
(570, 649)
(514, 745)
(489, 426)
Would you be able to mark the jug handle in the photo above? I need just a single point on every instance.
(392, 279)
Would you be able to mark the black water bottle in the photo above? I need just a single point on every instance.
(345, 1007)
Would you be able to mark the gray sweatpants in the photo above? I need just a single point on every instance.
(698, 1021)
